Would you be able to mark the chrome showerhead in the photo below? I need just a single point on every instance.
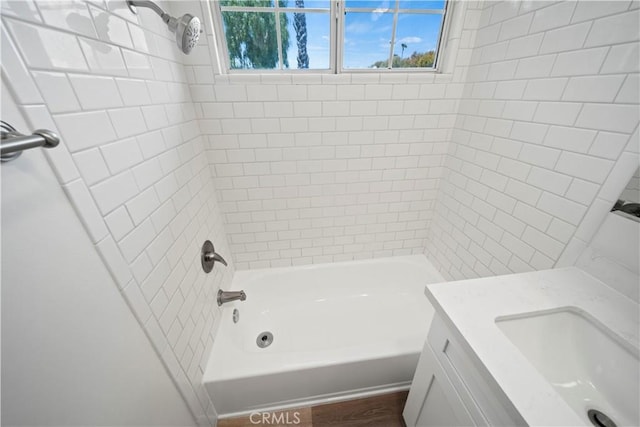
(187, 28)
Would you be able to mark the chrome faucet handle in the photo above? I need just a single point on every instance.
(208, 257)
(213, 256)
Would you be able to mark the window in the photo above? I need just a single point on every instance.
(329, 35)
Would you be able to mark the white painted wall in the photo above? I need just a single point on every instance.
(613, 255)
(131, 162)
(73, 354)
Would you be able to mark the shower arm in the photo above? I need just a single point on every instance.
(186, 28)
(149, 4)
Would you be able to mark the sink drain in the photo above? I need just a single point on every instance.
(264, 339)
(599, 419)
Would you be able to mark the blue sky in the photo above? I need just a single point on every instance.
(317, 41)
(367, 35)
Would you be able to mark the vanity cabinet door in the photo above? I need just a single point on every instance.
(479, 395)
(432, 400)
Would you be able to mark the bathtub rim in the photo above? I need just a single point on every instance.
(302, 366)
(252, 274)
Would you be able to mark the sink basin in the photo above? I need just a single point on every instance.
(589, 366)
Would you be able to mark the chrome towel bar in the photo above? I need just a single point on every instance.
(13, 142)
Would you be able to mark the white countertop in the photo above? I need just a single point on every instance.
(472, 306)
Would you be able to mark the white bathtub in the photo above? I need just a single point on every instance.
(339, 330)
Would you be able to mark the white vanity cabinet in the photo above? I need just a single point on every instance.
(450, 389)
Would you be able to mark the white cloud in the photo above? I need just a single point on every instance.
(408, 40)
(377, 13)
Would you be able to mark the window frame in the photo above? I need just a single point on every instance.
(337, 20)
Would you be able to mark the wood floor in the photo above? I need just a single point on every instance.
(377, 411)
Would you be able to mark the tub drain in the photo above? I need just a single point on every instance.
(599, 419)
(264, 339)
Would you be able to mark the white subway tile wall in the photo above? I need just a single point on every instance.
(116, 89)
(521, 175)
(324, 168)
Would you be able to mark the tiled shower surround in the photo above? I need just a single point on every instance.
(548, 107)
(493, 166)
(487, 168)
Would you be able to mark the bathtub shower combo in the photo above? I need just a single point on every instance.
(319, 333)
(536, 174)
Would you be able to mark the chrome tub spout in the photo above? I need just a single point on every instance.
(228, 296)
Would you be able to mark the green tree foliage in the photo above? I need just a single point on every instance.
(416, 60)
(251, 36)
(300, 25)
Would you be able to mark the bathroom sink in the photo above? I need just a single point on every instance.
(591, 368)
